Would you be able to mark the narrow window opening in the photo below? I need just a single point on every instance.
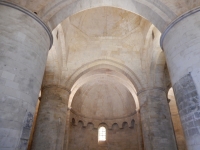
(102, 134)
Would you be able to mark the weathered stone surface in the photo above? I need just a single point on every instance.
(181, 47)
(26, 131)
(156, 121)
(105, 36)
(188, 105)
(24, 45)
(86, 138)
(51, 122)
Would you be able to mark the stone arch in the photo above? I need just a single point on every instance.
(125, 124)
(103, 124)
(114, 125)
(103, 63)
(81, 123)
(131, 123)
(160, 15)
(145, 50)
(89, 71)
(90, 124)
(153, 59)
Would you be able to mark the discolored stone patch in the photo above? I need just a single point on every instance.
(188, 104)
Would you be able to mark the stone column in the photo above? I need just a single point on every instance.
(51, 122)
(139, 132)
(156, 122)
(67, 130)
(181, 44)
(24, 44)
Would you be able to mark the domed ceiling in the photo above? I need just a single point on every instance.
(103, 98)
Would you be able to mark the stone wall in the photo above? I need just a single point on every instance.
(86, 138)
(24, 41)
(187, 100)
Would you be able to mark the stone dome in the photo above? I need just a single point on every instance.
(103, 98)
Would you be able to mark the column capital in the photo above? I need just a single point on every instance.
(32, 15)
(177, 20)
(150, 88)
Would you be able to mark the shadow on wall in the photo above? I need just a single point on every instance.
(180, 138)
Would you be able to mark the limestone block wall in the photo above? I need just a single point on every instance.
(24, 41)
(51, 121)
(187, 102)
(156, 122)
(86, 138)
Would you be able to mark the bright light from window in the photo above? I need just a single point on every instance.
(102, 134)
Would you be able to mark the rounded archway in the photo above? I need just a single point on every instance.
(105, 73)
(103, 98)
(55, 13)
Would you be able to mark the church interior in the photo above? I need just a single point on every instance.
(99, 75)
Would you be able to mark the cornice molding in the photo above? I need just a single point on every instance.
(32, 15)
(176, 21)
(105, 119)
(150, 88)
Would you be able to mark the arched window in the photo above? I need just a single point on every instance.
(102, 134)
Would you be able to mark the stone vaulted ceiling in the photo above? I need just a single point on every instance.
(103, 98)
(106, 22)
